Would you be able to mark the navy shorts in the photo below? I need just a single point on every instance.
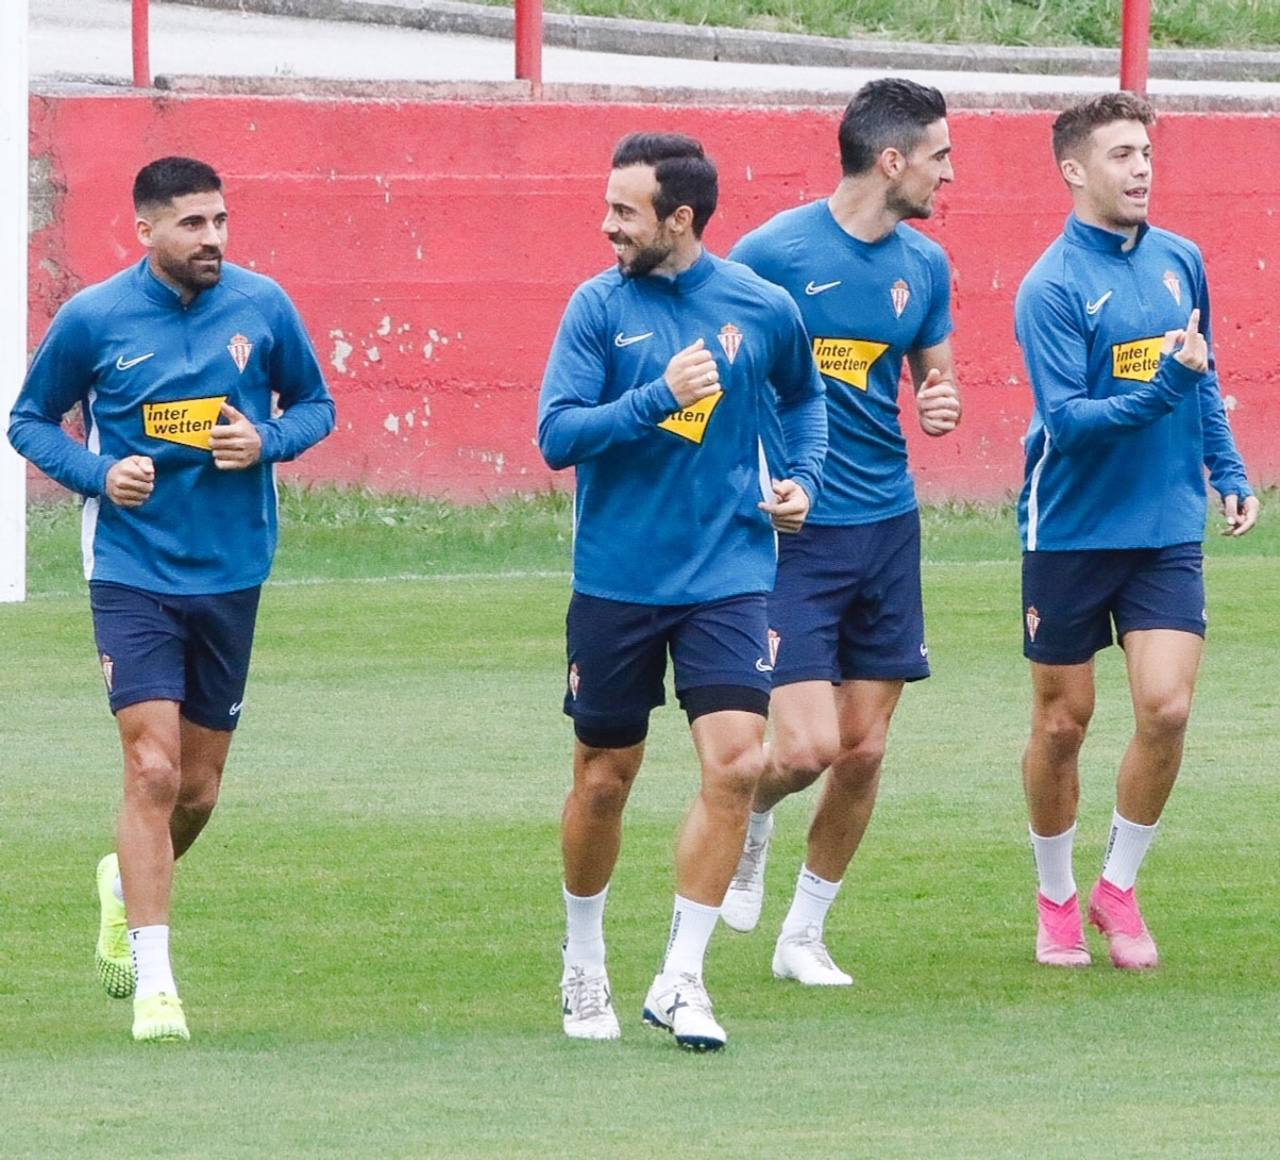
(1070, 599)
(847, 604)
(189, 649)
(617, 662)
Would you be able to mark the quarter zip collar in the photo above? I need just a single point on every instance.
(687, 281)
(161, 293)
(845, 238)
(1102, 240)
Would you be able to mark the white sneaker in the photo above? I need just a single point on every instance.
(588, 1004)
(680, 1004)
(804, 957)
(745, 896)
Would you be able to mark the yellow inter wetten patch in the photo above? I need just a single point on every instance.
(1137, 360)
(186, 421)
(847, 359)
(691, 422)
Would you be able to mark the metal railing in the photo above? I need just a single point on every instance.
(1135, 40)
(529, 41)
(141, 44)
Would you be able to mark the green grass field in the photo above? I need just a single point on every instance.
(367, 935)
(1174, 23)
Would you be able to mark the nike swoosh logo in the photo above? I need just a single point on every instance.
(236, 708)
(1094, 307)
(761, 667)
(619, 340)
(813, 288)
(123, 364)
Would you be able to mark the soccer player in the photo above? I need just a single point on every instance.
(173, 361)
(654, 392)
(847, 618)
(1114, 326)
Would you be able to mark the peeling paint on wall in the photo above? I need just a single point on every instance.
(429, 359)
(342, 350)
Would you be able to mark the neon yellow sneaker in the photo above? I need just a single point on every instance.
(112, 958)
(159, 1019)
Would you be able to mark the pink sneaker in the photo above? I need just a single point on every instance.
(1115, 913)
(1060, 933)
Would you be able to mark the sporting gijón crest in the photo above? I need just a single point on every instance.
(731, 340)
(900, 295)
(240, 348)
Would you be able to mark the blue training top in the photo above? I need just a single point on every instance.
(666, 501)
(865, 305)
(1120, 435)
(150, 375)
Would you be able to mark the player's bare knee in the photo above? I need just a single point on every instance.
(859, 765)
(1060, 729)
(603, 797)
(201, 798)
(802, 764)
(152, 775)
(733, 778)
(1164, 717)
(602, 782)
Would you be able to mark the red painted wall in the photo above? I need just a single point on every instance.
(431, 248)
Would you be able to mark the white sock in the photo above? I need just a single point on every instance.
(584, 930)
(117, 888)
(150, 946)
(1053, 864)
(813, 898)
(1126, 849)
(759, 826)
(691, 927)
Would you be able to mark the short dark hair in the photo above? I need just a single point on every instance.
(886, 113)
(1073, 126)
(159, 182)
(685, 174)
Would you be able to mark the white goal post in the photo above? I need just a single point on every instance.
(13, 290)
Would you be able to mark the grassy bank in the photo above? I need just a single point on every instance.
(1251, 24)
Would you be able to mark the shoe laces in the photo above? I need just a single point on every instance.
(811, 939)
(693, 993)
(749, 863)
(587, 995)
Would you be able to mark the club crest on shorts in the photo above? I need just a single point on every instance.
(731, 340)
(1033, 622)
(900, 293)
(575, 681)
(240, 348)
(775, 642)
(108, 670)
(1173, 284)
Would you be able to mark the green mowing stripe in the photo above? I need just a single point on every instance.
(367, 936)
